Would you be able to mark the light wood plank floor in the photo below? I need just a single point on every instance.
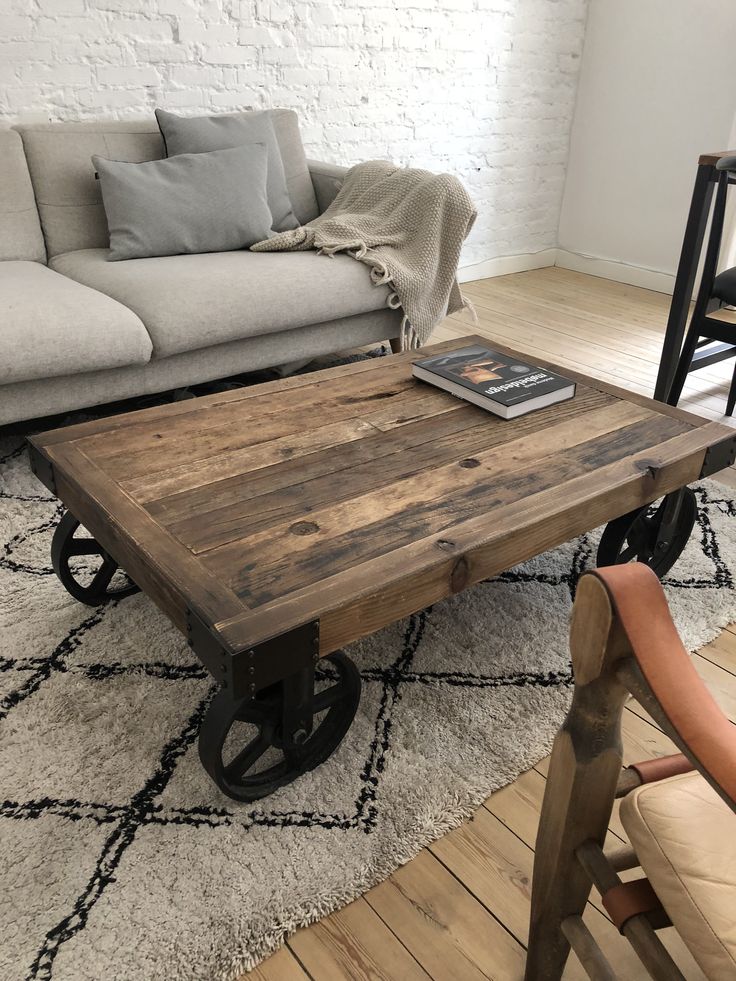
(459, 910)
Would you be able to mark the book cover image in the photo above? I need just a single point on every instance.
(507, 381)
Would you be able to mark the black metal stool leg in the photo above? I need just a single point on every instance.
(731, 401)
(683, 367)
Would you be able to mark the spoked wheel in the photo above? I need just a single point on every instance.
(654, 535)
(279, 744)
(85, 569)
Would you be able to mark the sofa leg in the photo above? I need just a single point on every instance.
(395, 343)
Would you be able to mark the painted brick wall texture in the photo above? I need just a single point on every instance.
(484, 89)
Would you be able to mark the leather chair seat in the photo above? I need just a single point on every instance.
(685, 838)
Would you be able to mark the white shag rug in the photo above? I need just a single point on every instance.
(120, 859)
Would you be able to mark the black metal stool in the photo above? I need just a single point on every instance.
(708, 340)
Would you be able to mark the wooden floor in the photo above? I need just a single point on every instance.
(459, 910)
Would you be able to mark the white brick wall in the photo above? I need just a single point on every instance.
(482, 88)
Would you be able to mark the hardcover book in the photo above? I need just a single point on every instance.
(499, 383)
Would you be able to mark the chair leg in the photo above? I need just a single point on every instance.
(584, 771)
(683, 366)
(731, 401)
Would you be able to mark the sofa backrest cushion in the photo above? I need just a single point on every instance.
(203, 134)
(20, 229)
(69, 197)
(298, 179)
(60, 161)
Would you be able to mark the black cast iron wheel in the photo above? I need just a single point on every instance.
(654, 535)
(235, 771)
(99, 589)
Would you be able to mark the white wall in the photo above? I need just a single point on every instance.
(657, 88)
(482, 88)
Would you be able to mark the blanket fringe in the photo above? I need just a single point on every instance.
(468, 305)
(380, 276)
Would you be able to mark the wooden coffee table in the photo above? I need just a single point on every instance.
(275, 524)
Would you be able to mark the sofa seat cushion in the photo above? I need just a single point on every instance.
(50, 326)
(194, 301)
(685, 838)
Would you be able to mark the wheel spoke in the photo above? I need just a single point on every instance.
(327, 697)
(82, 546)
(248, 756)
(103, 577)
(627, 554)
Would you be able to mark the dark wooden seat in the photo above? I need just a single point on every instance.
(724, 286)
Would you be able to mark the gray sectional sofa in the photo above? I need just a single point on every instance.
(77, 330)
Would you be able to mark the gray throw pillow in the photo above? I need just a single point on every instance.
(194, 202)
(200, 134)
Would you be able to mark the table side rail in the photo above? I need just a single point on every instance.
(349, 605)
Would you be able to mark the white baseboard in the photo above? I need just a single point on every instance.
(620, 272)
(506, 264)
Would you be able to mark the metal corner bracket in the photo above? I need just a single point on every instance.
(248, 671)
(42, 468)
(719, 456)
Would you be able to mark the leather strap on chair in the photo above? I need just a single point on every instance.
(664, 766)
(630, 899)
(641, 607)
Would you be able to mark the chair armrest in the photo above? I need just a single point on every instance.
(690, 712)
(327, 180)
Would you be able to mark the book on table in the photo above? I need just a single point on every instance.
(497, 382)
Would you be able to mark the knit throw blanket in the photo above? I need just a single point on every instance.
(408, 227)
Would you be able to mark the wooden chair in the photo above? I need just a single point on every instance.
(678, 812)
(709, 340)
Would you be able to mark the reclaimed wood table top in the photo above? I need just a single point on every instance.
(356, 495)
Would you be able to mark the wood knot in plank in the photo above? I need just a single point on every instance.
(460, 575)
(650, 467)
(445, 545)
(469, 463)
(303, 528)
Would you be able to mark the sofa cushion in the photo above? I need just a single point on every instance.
(194, 202)
(685, 838)
(193, 301)
(60, 161)
(68, 196)
(203, 134)
(298, 179)
(20, 229)
(52, 326)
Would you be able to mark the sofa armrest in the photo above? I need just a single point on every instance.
(327, 180)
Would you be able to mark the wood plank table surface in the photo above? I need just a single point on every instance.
(460, 909)
(354, 496)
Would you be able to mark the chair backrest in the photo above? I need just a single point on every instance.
(68, 196)
(20, 229)
(622, 641)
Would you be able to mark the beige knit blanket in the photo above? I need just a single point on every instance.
(408, 226)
